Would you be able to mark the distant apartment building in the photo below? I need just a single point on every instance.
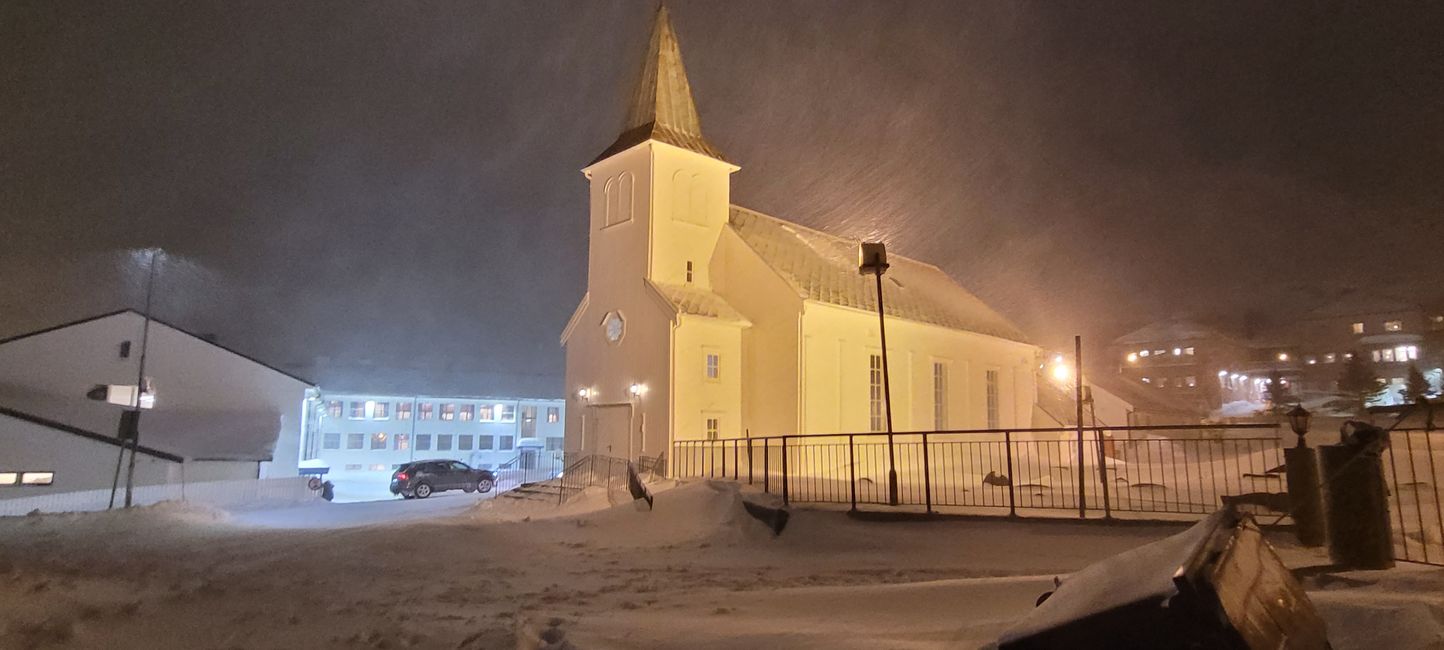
(355, 432)
(1188, 362)
(1196, 363)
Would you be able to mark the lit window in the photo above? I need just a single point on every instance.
(940, 396)
(1177, 352)
(378, 441)
(427, 409)
(1330, 357)
(1145, 380)
(1393, 325)
(1191, 381)
(714, 365)
(1311, 360)
(468, 412)
(689, 271)
(554, 415)
(1143, 353)
(355, 440)
(1357, 328)
(403, 441)
(423, 442)
(486, 413)
(1188, 351)
(448, 412)
(403, 411)
(991, 380)
(443, 442)
(333, 409)
(874, 393)
(1283, 356)
(1348, 355)
(1159, 353)
(378, 467)
(463, 443)
(485, 442)
(508, 414)
(9, 478)
(1413, 352)
(1132, 357)
(714, 426)
(331, 441)
(1406, 352)
(358, 410)
(507, 442)
(382, 411)
(1386, 354)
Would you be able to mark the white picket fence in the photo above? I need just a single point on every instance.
(248, 492)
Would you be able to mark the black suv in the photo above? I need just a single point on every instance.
(419, 479)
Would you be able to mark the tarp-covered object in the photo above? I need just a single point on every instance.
(1217, 585)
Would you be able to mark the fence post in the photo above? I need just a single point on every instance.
(1103, 474)
(736, 459)
(927, 476)
(852, 472)
(724, 459)
(784, 471)
(766, 466)
(749, 460)
(1012, 476)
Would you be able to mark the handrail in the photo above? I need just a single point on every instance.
(1068, 430)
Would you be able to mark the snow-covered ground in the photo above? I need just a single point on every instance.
(694, 573)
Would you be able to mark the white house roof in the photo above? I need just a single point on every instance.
(823, 268)
(698, 302)
(1175, 329)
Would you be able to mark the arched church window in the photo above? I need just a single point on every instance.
(618, 195)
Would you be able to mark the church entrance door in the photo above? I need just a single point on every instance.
(611, 426)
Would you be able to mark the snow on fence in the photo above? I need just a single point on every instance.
(1165, 469)
(218, 493)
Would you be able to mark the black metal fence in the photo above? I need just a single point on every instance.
(1102, 471)
(1411, 468)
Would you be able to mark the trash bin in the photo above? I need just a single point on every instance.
(1356, 501)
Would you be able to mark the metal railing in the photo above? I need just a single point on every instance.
(1185, 470)
(1412, 462)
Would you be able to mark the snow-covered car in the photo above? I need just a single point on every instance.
(421, 478)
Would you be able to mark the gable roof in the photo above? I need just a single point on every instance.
(823, 268)
(109, 440)
(153, 319)
(688, 299)
(662, 107)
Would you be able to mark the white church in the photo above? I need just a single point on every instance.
(705, 320)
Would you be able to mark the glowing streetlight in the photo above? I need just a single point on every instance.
(1061, 373)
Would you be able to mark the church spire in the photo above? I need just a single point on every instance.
(662, 107)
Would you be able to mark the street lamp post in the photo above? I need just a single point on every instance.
(872, 258)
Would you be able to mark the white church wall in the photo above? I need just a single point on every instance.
(690, 197)
(770, 347)
(840, 340)
(77, 463)
(699, 397)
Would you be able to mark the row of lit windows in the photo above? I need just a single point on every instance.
(1389, 326)
(403, 441)
(374, 410)
(1400, 353)
(8, 479)
(379, 467)
(1189, 381)
(1133, 357)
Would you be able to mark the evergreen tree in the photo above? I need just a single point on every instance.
(1416, 386)
(1358, 383)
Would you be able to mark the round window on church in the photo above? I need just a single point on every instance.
(614, 327)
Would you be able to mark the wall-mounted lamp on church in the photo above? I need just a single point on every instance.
(584, 394)
(637, 390)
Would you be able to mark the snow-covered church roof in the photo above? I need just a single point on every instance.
(823, 267)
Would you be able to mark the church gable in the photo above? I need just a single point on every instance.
(823, 268)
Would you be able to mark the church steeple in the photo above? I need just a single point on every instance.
(662, 107)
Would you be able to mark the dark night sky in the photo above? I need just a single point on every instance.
(385, 195)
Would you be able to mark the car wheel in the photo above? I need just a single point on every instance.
(423, 490)
(485, 485)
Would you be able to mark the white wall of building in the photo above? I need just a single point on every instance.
(77, 462)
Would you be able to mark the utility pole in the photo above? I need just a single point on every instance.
(140, 379)
(1078, 399)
